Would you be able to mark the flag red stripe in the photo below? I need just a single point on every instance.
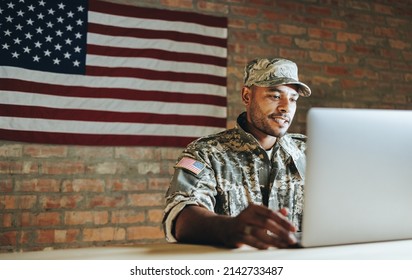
(114, 93)
(97, 140)
(149, 13)
(154, 75)
(157, 54)
(107, 116)
(155, 34)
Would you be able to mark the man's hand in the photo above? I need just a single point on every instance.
(256, 226)
(260, 227)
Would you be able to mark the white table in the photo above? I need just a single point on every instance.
(391, 250)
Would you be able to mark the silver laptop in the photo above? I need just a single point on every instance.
(359, 176)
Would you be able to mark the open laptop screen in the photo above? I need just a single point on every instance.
(358, 184)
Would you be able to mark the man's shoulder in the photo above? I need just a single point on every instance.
(220, 137)
(298, 137)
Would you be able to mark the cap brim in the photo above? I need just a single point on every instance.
(303, 89)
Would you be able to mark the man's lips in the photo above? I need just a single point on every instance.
(280, 119)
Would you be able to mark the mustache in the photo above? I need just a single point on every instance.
(285, 116)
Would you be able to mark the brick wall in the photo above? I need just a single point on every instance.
(352, 53)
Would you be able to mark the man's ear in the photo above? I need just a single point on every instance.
(246, 94)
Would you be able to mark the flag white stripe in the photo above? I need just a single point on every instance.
(158, 44)
(11, 72)
(110, 105)
(114, 128)
(155, 64)
(152, 24)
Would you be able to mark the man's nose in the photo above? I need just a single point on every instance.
(284, 105)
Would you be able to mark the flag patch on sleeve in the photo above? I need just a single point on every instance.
(190, 164)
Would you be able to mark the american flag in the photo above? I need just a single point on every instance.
(190, 164)
(99, 73)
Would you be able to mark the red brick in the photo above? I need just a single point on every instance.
(45, 236)
(66, 236)
(245, 36)
(147, 199)
(155, 215)
(365, 73)
(399, 44)
(320, 33)
(159, 184)
(336, 47)
(245, 11)
(57, 236)
(144, 232)
(104, 234)
(7, 202)
(359, 5)
(40, 219)
(350, 84)
(289, 6)
(92, 152)
(308, 44)
(107, 167)
(236, 23)
(305, 20)
(86, 217)
(292, 29)
(348, 37)
(60, 201)
(292, 53)
(322, 57)
(127, 216)
(127, 184)
(43, 151)
(383, 9)
(83, 185)
(279, 40)
(11, 150)
(26, 201)
(316, 10)
(8, 238)
(139, 153)
(21, 167)
(334, 24)
(55, 168)
(213, 7)
(102, 201)
(385, 32)
(38, 185)
(185, 4)
(6, 185)
(336, 70)
(274, 16)
(6, 220)
(378, 63)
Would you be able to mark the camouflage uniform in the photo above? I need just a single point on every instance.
(233, 170)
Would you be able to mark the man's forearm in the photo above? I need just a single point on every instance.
(196, 224)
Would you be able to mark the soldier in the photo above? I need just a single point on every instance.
(245, 185)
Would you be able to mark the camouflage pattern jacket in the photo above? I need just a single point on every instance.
(227, 171)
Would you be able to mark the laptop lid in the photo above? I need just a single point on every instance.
(358, 185)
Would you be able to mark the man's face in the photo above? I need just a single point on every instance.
(270, 110)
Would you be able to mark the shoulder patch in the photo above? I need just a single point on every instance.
(191, 165)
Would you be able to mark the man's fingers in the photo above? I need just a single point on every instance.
(260, 239)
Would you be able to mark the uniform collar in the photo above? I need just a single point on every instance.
(286, 143)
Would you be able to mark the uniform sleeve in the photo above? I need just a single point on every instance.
(188, 187)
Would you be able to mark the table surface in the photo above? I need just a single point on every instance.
(390, 250)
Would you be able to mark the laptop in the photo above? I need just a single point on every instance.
(358, 185)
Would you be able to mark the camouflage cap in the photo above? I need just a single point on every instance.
(266, 72)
